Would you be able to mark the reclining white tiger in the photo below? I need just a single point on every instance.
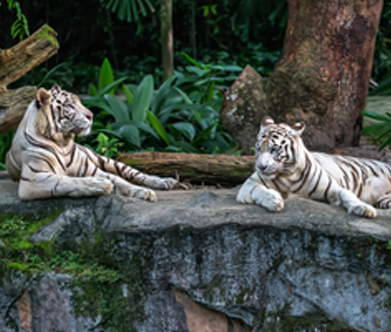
(48, 163)
(284, 165)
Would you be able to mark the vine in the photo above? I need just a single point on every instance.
(20, 27)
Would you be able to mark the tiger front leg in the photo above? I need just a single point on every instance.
(129, 173)
(353, 204)
(43, 184)
(253, 191)
(122, 187)
(156, 182)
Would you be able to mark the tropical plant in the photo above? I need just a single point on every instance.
(203, 81)
(105, 146)
(381, 70)
(5, 145)
(129, 9)
(167, 119)
(20, 27)
(379, 132)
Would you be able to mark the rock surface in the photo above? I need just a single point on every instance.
(198, 261)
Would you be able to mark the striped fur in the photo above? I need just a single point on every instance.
(284, 165)
(48, 163)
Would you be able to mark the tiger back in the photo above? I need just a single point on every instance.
(283, 165)
(48, 163)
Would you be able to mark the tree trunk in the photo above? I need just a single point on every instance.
(13, 105)
(321, 78)
(193, 30)
(190, 167)
(14, 63)
(167, 38)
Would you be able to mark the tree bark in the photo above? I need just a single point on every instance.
(28, 54)
(167, 38)
(13, 105)
(321, 78)
(14, 63)
(190, 167)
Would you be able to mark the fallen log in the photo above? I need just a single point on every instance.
(13, 105)
(190, 167)
(14, 63)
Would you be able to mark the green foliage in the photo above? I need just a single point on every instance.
(129, 9)
(20, 27)
(105, 146)
(18, 253)
(168, 119)
(381, 70)
(5, 145)
(381, 131)
(203, 80)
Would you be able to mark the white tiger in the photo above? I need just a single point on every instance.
(284, 165)
(48, 163)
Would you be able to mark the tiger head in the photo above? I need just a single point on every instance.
(62, 113)
(276, 148)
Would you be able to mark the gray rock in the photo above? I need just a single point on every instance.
(198, 261)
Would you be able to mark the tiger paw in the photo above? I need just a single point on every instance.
(363, 210)
(101, 186)
(145, 194)
(167, 183)
(244, 196)
(160, 183)
(270, 200)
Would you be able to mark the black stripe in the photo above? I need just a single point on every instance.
(78, 170)
(301, 175)
(72, 155)
(371, 168)
(327, 190)
(47, 162)
(383, 199)
(116, 167)
(263, 182)
(359, 190)
(316, 184)
(54, 190)
(87, 153)
(85, 168)
(308, 166)
(46, 147)
(94, 172)
(345, 175)
(277, 186)
(54, 118)
(35, 170)
(12, 160)
(25, 179)
(45, 178)
(102, 163)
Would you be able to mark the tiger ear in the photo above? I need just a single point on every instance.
(267, 121)
(298, 128)
(55, 87)
(43, 97)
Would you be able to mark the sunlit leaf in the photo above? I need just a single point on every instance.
(187, 129)
(158, 127)
(142, 99)
(106, 76)
(118, 108)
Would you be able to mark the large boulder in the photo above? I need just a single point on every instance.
(198, 261)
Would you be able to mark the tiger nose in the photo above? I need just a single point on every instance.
(261, 167)
(89, 116)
